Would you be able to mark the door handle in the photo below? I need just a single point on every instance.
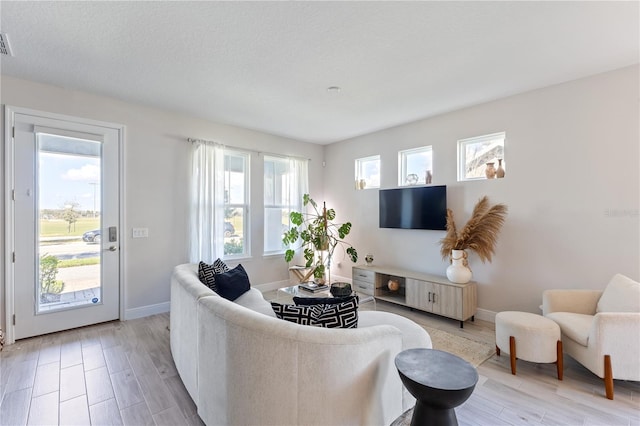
(112, 248)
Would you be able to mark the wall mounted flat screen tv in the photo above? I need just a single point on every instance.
(422, 207)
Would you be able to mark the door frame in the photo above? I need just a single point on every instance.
(9, 206)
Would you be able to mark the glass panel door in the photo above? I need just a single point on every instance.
(69, 222)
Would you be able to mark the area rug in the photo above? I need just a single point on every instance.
(470, 350)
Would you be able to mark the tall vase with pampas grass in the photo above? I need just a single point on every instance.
(479, 234)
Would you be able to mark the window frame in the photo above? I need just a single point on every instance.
(245, 207)
(359, 175)
(295, 205)
(462, 144)
(402, 165)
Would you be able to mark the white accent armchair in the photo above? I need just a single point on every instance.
(600, 329)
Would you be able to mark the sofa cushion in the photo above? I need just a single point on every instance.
(233, 283)
(322, 300)
(342, 315)
(622, 294)
(254, 300)
(574, 326)
(207, 273)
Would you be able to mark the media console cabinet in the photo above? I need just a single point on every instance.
(426, 292)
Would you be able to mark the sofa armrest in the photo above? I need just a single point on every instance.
(576, 301)
(616, 334)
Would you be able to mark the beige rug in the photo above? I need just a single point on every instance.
(470, 350)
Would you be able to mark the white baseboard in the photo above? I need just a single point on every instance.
(145, 311)
(486, 315)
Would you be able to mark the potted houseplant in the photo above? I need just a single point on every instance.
(479, 234)
(318, 236)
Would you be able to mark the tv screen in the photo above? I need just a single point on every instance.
(414, 208)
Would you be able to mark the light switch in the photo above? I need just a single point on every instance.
(140, 232)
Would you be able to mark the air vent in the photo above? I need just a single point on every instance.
(5, 47)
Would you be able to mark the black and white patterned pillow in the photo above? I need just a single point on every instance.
(342, 315)
(304, 315)
(207, 273)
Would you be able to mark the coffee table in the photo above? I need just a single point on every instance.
(439, 381)
(295, 291)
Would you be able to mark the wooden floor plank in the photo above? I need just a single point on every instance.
(137, 415)
(156, 393)
(49, 354)
(22, 375)
(116, 359)
(98, 384)
(169, 417)
(93, 356)
(137, 353)
(14, 409)
(72, 383)
(179, 392)
(70, 354)
(126, 389)
(47, 379)
(44, 410)
(105, 413)
(75, 411)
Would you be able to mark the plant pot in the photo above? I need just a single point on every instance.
(457, 272)
(323, 243)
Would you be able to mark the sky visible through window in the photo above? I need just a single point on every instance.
(69, 178)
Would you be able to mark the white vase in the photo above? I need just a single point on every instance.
(457, 272)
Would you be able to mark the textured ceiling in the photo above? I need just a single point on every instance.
(267, 65)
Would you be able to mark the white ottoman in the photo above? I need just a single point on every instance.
(537, 338)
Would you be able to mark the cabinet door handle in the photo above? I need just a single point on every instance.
(429, 297)
(434, 298)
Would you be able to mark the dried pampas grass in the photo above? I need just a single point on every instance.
(479, 234)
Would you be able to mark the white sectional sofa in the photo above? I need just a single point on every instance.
(241, 365)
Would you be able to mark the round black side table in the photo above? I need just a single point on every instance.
(439, 381)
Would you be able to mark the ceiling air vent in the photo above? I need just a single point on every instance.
(5, 47)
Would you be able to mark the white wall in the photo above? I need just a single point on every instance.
(156, 182)
(572, 187)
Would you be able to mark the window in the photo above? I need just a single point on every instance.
(285, 182)
(475, 154)
(415, 166)
(368, 172)
(236, 204)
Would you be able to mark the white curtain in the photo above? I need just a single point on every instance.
(299, 181)
(298, 186)
(207, 202)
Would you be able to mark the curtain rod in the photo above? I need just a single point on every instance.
(247, 149)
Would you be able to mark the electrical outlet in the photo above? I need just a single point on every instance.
(140, 232)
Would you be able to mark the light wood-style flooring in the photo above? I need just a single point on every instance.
(122, 373)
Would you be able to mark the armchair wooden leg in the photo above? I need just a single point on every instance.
(559, 362)
(608, 377)
(512, 354)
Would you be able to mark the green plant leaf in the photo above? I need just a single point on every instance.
(319, 271)
(309, 255)
(331, 214)
(353, 254)
(344, 229)
(291, 236)
(288, 255)
(296, 218)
